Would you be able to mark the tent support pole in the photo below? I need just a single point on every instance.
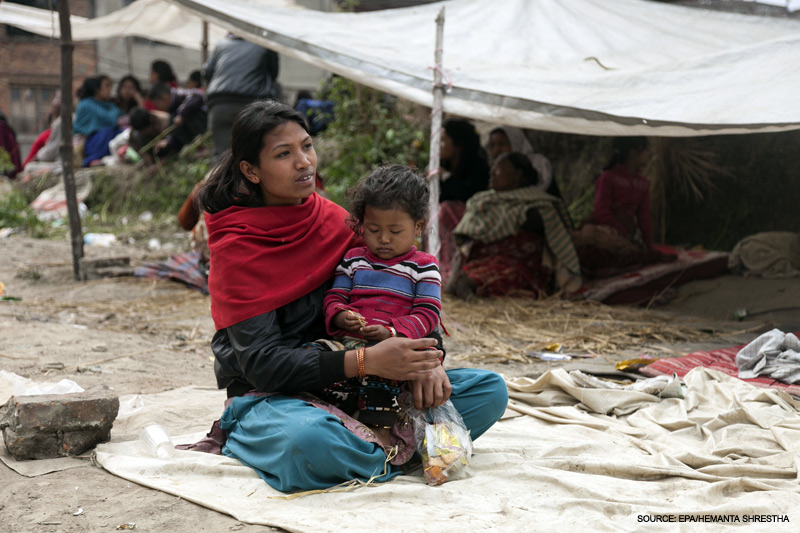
(433, 241)
(204, 43)
(67, 46)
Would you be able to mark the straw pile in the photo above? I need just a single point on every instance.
(504, 329)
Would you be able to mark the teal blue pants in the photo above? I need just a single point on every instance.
(296, 446)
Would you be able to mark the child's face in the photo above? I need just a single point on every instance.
(390, 232)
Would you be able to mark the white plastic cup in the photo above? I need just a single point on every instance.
(157, 440)
(99, 239)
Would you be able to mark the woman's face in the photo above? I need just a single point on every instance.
(504, 177)
(153, 76)
(104, 92)
(639, 158)
(287, 166)
(447, 149)
(127, 90)
(499, 144)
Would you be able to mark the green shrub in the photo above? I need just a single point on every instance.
(369, 129)
(125, 191)
(15, 213)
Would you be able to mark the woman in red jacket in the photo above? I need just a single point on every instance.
(618, 235)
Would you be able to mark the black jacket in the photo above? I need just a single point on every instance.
(265, 352)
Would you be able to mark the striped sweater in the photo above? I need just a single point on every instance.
(403, 292)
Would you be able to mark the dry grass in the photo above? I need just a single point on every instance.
(505, 329)
(683, 167)
(487, 330)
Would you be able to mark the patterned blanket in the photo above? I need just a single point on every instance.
(494, 215)
(722, 360)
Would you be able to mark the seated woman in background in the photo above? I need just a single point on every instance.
(464, 172)
(618, 236)
(129, 94)
(504, 139)
(43, 139)
(161, 71)
(97, 118)
(514, 238)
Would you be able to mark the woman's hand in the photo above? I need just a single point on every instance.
(348, 321)
(431, 390)
(375, 333)
(402, 359)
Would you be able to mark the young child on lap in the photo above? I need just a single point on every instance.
(388, 287)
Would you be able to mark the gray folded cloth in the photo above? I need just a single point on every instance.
(774, 354)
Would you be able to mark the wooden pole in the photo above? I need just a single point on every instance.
(433, 244)
(204, 43)
(129, 53)
(67, 46)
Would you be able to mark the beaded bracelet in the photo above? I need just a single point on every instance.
(362, 370)
(392, 331)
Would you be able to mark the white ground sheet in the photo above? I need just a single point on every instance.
(729, 451)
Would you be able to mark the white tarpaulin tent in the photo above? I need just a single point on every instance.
(602, 67)
(39, 21)
(156, 20)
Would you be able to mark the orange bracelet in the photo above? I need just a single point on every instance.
(362, 370)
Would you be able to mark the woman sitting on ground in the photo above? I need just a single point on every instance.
(97, 118)
(504, 139)
(274, 247)
(514, 238)
(618, 237)
(464, 172)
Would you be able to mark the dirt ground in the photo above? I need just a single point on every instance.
(143, 336)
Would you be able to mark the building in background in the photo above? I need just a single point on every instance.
(30, 72)
(31, 64)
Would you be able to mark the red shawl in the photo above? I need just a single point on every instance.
(262, 258)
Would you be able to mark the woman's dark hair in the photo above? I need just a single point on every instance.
(226, 186)
(130, 103)
(466, 139)
(622, 146)
(463, 134)
(163, 70)
(522, 163)
(197, 77)
(131, 78)
(139, 118)
(90, 86)
(389, 187)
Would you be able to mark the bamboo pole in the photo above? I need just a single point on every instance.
(67, 46)
(204, 42)
(433, 241)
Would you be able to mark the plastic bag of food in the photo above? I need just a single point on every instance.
(443, 441)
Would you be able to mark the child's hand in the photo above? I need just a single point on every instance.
(375, 333)
(348, 321)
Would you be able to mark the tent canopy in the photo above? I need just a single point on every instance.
(156, 20)
(598, 67)
(39, 21)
